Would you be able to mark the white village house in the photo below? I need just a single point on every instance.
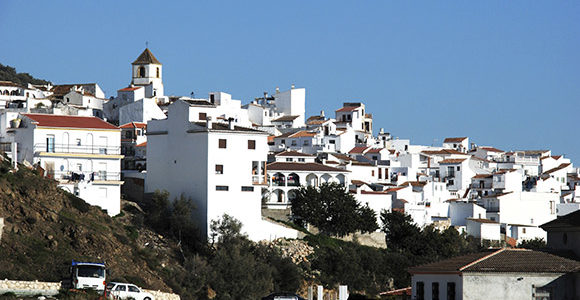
(82, 153)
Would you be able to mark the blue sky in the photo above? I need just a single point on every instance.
(505, 73)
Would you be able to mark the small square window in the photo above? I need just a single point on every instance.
(301, 160)
(221, 188)
(222, 143)
(458, 168)
(251, 144)
(202, 116)
(289, 159)
(219, 169)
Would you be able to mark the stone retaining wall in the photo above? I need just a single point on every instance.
(163, 296)
(33, 288)
(29, 288)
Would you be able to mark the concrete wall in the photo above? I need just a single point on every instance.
(515, 285)
(442, 279)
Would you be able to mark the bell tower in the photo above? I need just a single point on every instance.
(147, 72)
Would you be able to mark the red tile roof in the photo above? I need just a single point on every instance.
(483, 176)
(441, 152)
(501, 261)
(69, 121)
(560, 167)
(130, 89)
(134, 125)
(358, 150)
(142, 145)
(454, 140)
(285, 119)
(482, 220)
(452, 161)
(491, 149)
(375, 150)
(348, 108)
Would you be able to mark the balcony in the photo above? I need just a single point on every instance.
(77, 149)
(69, 176)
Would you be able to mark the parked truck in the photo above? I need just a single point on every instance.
(88, 275)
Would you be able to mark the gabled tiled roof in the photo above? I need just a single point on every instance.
(45, 120)
(130, 89)
(134, 125)
(560, 167)
(293, 166)
(571, 220)
(501, 261)
(348, 108)
(441, 152)
(482, 220)
(452, 161)
(454, 139)
(358, 150)
(146, 57)
(376, 150)
(483, 176)
(285, 119)
(492, 149)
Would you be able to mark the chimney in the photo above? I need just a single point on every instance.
(292, 86)
(208, 122)
(382, 131)
(277, 90)
(265, 95)
(322, 113)
(231, 123)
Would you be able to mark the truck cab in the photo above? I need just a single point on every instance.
(88, 275)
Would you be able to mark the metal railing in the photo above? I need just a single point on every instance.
(72, 148)
(84, 176)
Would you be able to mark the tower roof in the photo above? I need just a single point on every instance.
(146, 58)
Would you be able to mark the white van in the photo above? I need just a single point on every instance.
(88, 275)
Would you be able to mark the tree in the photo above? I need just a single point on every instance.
(534, 244)
(401, 233)
(332, 210)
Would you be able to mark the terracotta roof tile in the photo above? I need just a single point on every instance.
(45, 120)
(358, 150)
(452, 161)
(134, 125)
(492, 149)
(560, 167)
(454, 139)
(348, 108)
(285, 119)
(146, 57)
(130, 89)
(482, 220)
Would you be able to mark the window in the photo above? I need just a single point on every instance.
(141, 72)
(222, 143)
(332, 142)
(80, 167)
(251, 144)
(451, 291)
(524, 230)
(221, 188)
(202, 116)
(435, 290)
(121, 288)
(305, 142)
(301, 160)
(458, 168)
(50, 143)
(380, 173)
(565, 238)
(375, 157)
(78, 142)
(219, 169)
(420, 290)
(372, 172)
(451, 171)
(133, 288)
(293, 142)
(283, 142)
(158, 72)
(289, 159)
(247, 189)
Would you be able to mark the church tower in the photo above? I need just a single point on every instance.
(147, 71)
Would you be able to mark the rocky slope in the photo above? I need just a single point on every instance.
(46, 227)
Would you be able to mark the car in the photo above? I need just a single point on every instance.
(282, 296)
(119, 290)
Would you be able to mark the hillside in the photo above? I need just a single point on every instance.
(46, 227)
(8, 73)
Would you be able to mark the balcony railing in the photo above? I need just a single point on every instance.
(71, 148)
(84, 176)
